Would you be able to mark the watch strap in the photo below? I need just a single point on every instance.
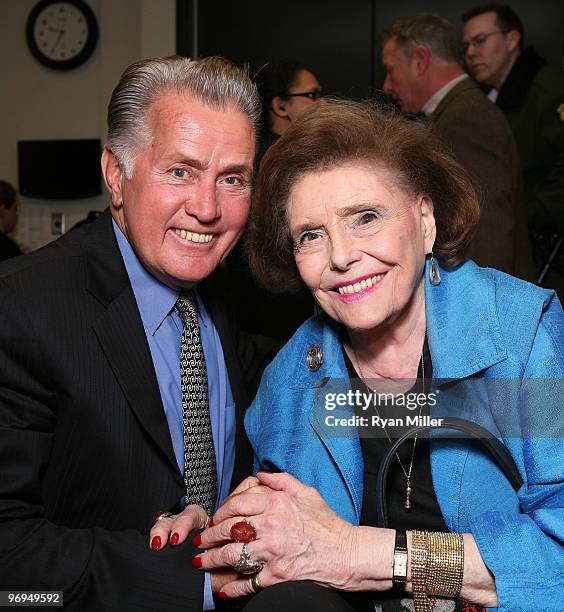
(400, 559)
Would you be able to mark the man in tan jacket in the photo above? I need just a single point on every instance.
(422, 57)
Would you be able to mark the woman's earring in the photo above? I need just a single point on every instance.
(434, 273)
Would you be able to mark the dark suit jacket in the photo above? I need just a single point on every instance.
(479, 137)
(85, 452)
(8, 248)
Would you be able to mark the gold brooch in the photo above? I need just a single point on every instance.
(314, 358)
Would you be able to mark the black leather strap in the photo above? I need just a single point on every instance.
(497, 450)
(400, 558)
(401, 540)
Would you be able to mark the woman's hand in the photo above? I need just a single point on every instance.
(299, 537)
(171, 528)
(176, 528)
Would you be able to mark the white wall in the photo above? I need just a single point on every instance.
(38, 103)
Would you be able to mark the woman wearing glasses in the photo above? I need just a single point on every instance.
(287, 89)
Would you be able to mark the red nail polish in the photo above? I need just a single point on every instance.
(210, 524)
(197, 540)
(156, 543)
(197, 562)
(223, 595)
(174, 539)
(264, 472)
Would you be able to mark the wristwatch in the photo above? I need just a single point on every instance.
(400, 560)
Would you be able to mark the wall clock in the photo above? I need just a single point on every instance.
(61, 34)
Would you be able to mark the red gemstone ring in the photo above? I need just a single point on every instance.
(243, 532)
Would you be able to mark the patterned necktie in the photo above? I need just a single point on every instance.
(200, 475)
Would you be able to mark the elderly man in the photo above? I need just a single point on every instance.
(531, 94)
(421, 55)
(123, 381)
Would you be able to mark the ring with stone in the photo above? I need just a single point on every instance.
(243, 532)
(246, 565)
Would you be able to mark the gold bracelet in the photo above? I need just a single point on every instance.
(445, 564)
(418, 571)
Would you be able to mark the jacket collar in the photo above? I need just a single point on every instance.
(458, 90)
(106, 273)
(463, 331)
(462, 324)
(516, 85)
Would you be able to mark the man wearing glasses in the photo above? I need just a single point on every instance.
(531, 94)
(423, 61)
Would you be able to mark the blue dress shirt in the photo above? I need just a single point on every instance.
(163, 328)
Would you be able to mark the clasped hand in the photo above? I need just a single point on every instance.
(299, 537)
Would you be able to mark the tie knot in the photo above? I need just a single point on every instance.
(186, 306)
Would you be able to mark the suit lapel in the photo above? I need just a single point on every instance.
(119, 330)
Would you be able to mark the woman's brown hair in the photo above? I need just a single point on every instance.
(339, 132)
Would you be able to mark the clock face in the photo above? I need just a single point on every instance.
(62, 34)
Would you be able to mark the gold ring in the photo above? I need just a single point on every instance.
(256, 584)
(159, 516)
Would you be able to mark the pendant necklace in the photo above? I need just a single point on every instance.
(407, 473)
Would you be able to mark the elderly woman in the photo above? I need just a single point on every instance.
(369, 212)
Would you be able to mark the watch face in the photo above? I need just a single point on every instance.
(62, 34)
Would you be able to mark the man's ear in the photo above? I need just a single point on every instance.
(512, 40)
(420, 58)
(278, 107)
(113, 177)
(429, 226)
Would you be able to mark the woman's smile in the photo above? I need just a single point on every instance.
(358, 288)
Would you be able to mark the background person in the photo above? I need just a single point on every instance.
(531, 95)
(8, 220)
(423, 61)
(375, 218)
(287, 90)
(123, 379)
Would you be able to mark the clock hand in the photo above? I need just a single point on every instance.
(54, 30)
(58, 40)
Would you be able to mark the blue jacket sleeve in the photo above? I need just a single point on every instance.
(525, 551)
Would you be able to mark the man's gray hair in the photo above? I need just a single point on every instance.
(214, 81)
(432, 31)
